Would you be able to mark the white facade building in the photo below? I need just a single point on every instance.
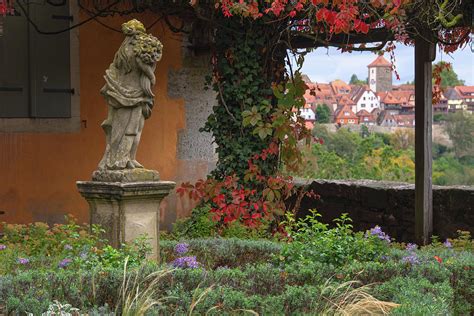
(367, 100)
(308, 114)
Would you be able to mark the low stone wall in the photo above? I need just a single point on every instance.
(390, 205)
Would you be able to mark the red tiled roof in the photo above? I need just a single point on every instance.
(339, 86)
(345, 100)
(341, 110)
(356, 94)
(365, 117)
(401, 97)
(363, 113)
(380, 61)
(465, 91)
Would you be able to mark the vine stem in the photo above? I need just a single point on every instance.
(223, 101)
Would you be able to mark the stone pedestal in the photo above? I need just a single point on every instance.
(126, 210)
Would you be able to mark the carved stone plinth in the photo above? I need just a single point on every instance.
(126, 210)
(126, 175)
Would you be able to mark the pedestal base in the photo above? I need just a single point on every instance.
(126, 175)
(126, 210)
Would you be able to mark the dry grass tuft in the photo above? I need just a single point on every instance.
(350, 298)
(137, 296)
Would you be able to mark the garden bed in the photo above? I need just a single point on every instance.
(321, 271)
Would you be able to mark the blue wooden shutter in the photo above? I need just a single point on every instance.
(14, 90)
(50, 62)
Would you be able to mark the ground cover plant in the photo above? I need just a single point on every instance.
(312, 269)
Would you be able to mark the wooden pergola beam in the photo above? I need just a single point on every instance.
(376, 35)
(425, 53)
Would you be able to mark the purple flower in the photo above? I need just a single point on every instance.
(377, 231)
(23, 261)
(67, 247)
(411, 259)
(181, 248)
(64, 263)
(448, 244)
(384, 258)
(83, 255)
(411, 247)
(3, 247)
(185, 262)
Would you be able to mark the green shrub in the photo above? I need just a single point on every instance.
(64, 246)
(417, 296)
(295, 288)
(223, 252)
(198, 225)
(313, 241)
(201, 225)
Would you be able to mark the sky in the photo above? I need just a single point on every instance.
(324, 65)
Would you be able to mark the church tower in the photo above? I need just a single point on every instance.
(380, 75)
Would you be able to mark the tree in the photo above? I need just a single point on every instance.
(448, 77)
(355, 80)
(344, 143)
(364, 131)
(460, 128)
(322, 113)
(403, 139)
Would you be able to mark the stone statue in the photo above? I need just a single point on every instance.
(128, 93)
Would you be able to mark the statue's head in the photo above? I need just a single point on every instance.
(133, 27)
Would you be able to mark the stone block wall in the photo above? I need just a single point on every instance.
(390, 205)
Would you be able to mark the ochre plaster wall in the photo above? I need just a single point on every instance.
(38, 171)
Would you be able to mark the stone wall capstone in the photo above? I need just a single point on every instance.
(390, 205)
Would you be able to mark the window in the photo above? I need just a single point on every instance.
(362, 105)
(363, 98)
(346, 113)
(35, 76)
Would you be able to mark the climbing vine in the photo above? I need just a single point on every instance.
(244, 68)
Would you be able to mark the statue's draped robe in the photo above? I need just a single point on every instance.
(130, 100)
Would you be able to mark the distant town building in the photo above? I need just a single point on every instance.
(460, 98)
(397, 101)
(340, 87)
(366, 118)
(380, 102)
(380, 75)
(405, 120)
(387, 119)
(365, 99)
(307, 113)
(344, 116)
